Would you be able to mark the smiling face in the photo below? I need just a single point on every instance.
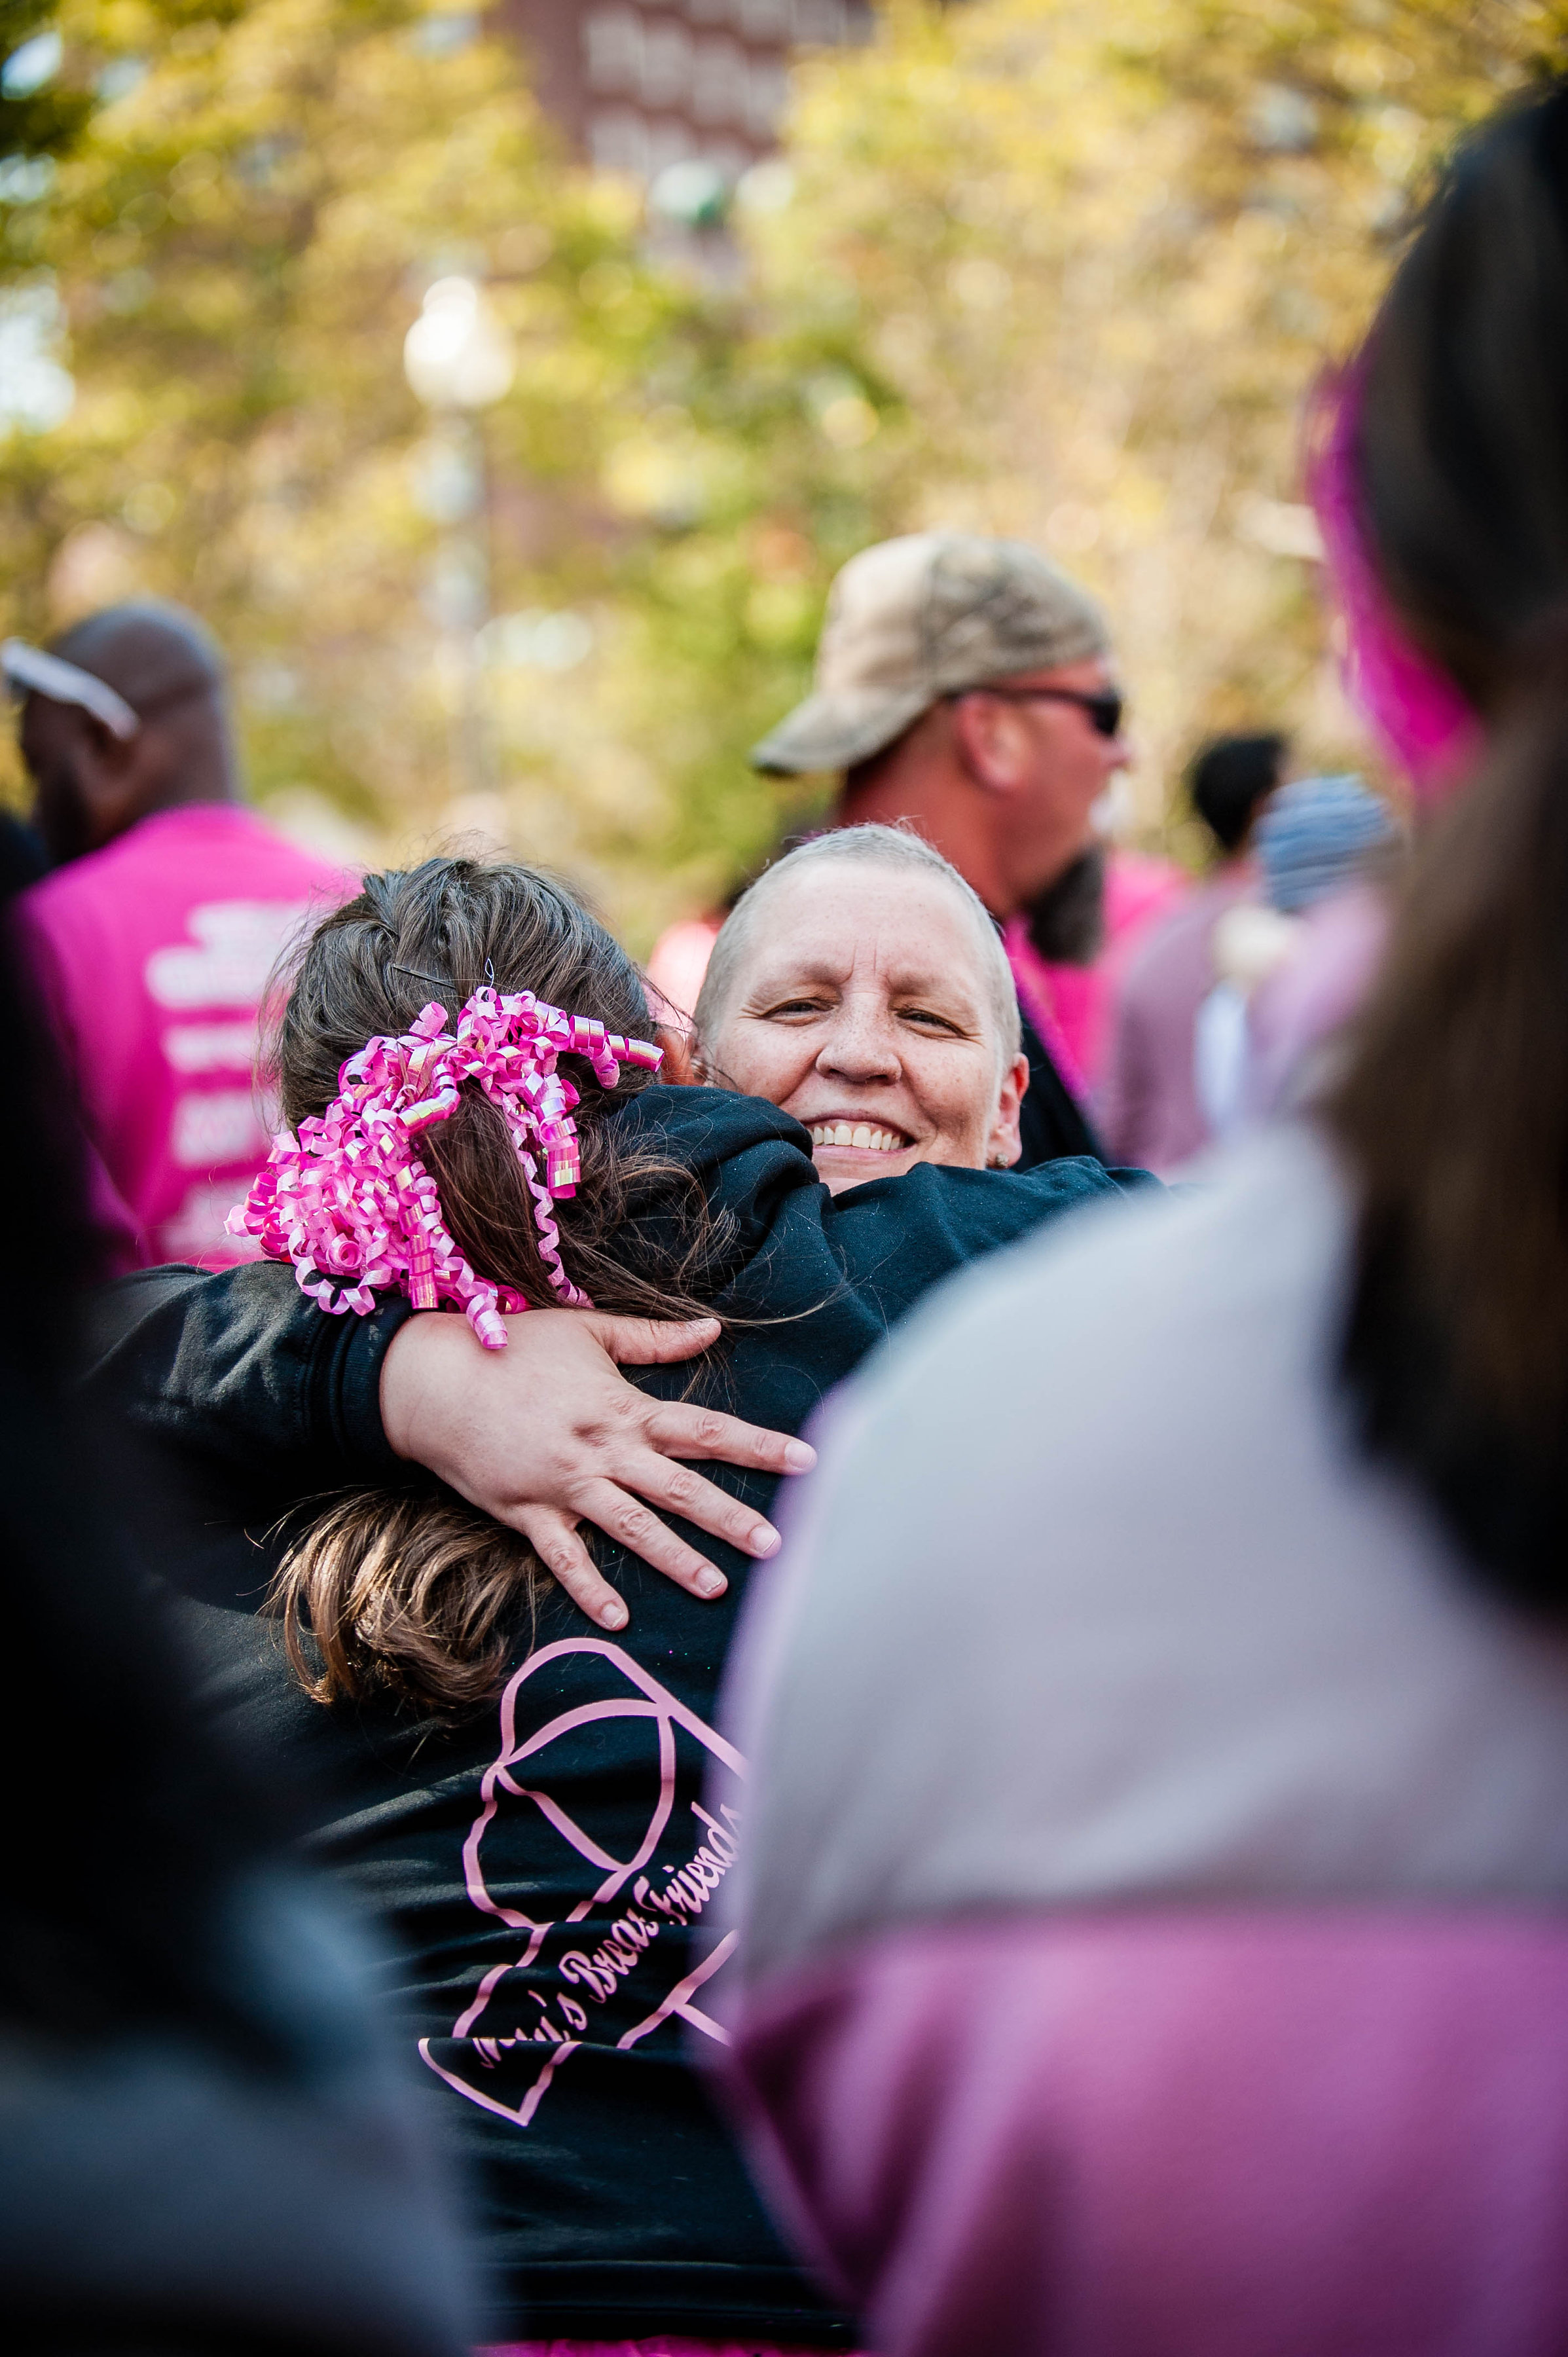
(863, 1004)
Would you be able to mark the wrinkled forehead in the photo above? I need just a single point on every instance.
(843, 921)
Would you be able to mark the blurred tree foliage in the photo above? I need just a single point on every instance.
(38, 116)
(1039, 266)
(1099, 257)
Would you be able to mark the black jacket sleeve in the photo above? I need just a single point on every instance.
(243, 1371)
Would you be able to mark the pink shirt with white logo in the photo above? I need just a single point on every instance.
(154, 953)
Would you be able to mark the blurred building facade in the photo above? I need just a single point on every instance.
(641, 84)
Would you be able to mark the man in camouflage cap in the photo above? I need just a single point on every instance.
(966, 685)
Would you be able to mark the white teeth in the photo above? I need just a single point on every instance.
(860, 1134)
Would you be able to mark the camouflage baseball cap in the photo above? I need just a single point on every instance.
(914, 619)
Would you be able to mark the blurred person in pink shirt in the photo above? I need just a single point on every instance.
(1149, 1095)
(169, 903)
(1071, 946)
(678, 960)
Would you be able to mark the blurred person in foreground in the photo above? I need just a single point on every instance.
(520, 1795)
(115, 1240)
(169, 903)
(1148, 1105)
(965, 686)
(1158, 1946)
(204, 2143)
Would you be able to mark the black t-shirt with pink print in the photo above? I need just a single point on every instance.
(548, 1868)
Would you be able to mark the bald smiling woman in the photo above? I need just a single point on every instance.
(860, 985)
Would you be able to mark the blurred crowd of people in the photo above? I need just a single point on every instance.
(1100, 1890)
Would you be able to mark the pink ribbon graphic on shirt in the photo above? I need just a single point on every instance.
(593, 1975)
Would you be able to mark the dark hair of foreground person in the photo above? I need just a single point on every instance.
(1453, 1108)
(204, 2147)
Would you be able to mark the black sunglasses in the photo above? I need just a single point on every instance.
(1104, 710)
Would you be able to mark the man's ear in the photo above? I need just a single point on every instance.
(1004, 1146)
(991, 739)
(109, 770)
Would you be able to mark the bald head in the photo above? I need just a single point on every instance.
(861, 986)
(896, 848)
(92, 784)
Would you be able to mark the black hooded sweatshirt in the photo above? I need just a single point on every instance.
(548, 1865)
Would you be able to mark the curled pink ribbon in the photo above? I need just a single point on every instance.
(352, 1206)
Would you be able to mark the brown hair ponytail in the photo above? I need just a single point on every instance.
(1453, 1109)
(415, 1594)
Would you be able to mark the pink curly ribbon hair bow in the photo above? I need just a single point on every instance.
(352, 1206)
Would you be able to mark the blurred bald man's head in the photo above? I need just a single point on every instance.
(92, 783)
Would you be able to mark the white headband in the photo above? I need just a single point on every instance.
(66, 682)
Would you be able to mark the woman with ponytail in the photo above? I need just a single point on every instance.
(1167, 1957)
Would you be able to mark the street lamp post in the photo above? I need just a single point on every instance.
(458, 361)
